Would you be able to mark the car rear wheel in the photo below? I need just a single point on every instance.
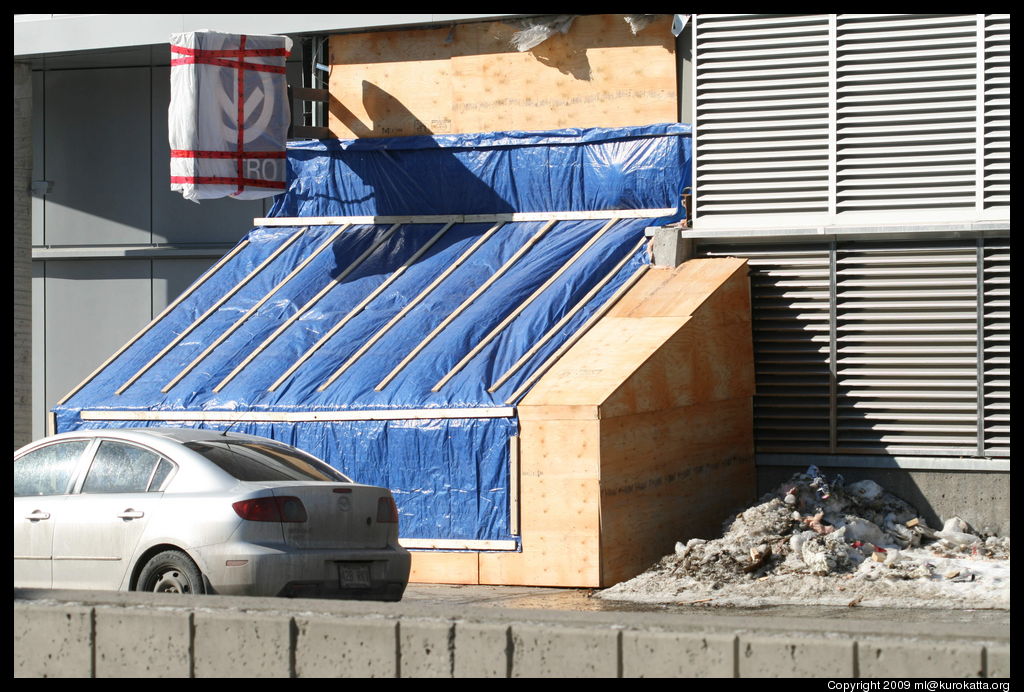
(171, 571)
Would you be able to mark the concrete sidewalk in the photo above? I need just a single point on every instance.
(452, 631)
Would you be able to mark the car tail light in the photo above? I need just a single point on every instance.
(387, 511)
(286, 509)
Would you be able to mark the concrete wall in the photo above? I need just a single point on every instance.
(82, 634)
(22, 255)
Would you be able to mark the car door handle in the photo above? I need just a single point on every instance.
(131, 514)
(37, 515)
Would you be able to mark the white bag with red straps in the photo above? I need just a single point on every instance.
(229, 115)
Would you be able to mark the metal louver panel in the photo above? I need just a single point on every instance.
(906, 367)
(850, 118)
(996, 175)
(790, 290)
(762, 113)
(906, 100)
(880, 348)
(996, 356)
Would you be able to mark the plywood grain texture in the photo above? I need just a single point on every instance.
(469, 78)
(438, 567)
(641, 434)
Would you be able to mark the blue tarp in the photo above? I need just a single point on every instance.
(449, 475)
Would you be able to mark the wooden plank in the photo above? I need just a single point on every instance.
(557, 327)
(465, 304)
(432, 567)
(212, 309)
(480, 345)
(252, 311)
(395, 275)
(471, 79)
(379, 334)
(513, 485)
(328, 287)
(300, 416)
(580, 333)
(505, 217)
(188, 292)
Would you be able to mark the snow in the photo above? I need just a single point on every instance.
(815, 541)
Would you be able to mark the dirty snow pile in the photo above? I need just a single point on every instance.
(819, 542)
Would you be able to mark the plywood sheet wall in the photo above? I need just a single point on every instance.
(471, 79)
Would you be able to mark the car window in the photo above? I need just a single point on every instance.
(251, 461)
(48, 470)
(119, 467)
(160, 476)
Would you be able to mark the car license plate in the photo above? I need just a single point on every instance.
(353, 574)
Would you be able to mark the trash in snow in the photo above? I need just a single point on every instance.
(800, 540)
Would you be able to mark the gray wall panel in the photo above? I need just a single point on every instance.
(97, 155)
(93, 307)
(172, 277)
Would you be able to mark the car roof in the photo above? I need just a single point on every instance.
(179, 435)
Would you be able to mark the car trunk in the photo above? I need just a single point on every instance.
(339, 516)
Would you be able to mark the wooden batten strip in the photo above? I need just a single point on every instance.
(455, 544)
(213, 308)
(300, 416)
(188, 292)
(310, 303)
(513, 485)
(251, 311)
(467, 218)
(412, 304)
(359, 307)
(565, 319)
(521, 307)
(546, 365)
(465, 304)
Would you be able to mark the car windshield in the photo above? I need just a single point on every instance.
(253, 461)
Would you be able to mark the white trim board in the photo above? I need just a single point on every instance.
(299, 416)
(466, 218)
(455, 544)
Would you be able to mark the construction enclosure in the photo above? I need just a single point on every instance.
(456, 300)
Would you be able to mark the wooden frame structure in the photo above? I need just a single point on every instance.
(634, 433)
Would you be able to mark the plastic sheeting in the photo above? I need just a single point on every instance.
(554, 170)
(229, 115)
(270, 328)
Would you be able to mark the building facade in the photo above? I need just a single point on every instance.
(860, 163)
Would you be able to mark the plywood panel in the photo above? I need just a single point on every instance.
(682, 290)
(596, 75)
(650, 353)
(670, 476)
(708, 359)
(548, 559)
(433, 567)
(471, 79)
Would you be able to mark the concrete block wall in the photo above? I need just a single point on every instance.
(80, 634)
(22, 429)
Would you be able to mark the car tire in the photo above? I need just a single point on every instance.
(171, 571)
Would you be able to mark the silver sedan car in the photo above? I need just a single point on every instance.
(199, 511)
